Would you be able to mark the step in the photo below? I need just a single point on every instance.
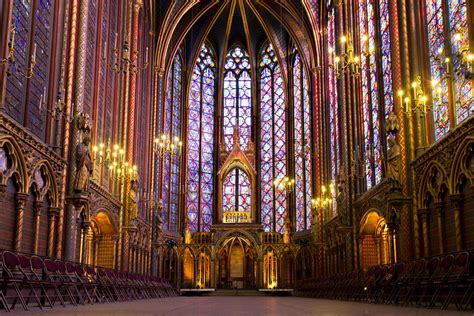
(237, 292)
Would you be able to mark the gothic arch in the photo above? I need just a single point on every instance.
(18, 169)
(462, 165)
(434, 182)
(49, 188)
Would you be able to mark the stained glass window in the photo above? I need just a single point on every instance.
(200, 142)
(22, 100)
(273, 140)
(436, 41)
(374, 83)
(333, 104)
(236, 192)
(447, 35)
(237, 97)
(302, 126)
(459, 34)
(172, 129)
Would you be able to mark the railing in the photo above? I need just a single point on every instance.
(235, 217)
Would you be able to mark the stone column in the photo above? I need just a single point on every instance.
(456, 202)
(424, 213)
(53, 213)
(20, 200)
(85, 229)
(37, 208)
(439, 207)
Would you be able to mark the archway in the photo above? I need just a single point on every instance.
(374, 244)
(101, 241)
(270, 269)
(188, 268)
(236, 263)
(203, 277)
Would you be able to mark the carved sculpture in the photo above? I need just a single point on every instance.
(84, 166)
(393, 161)
(132, 202)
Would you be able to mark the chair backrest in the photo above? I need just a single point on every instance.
(10, 260)
(50, 265)
(24, 262)
(60, 266)
(71, 267)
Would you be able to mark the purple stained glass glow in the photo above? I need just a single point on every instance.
(463, 87)
(172, 128)
(302, 124)
(273, 140)
(333, 103)
(200, 142)
(436, 40)
(236, 192)
(370, 91)
(237, 97)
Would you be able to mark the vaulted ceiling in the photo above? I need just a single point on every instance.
(224, 23)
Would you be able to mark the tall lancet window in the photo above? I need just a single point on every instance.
(172, 129)
(333, 104)
(447, 34)
(302, 129)
(200, 142)
(377, 90)
(237, 97)
(273, 140)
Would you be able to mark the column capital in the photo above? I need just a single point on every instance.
(137, 4)
(37, 207)
(53, 211)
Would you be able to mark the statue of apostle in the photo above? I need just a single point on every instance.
(84, 166)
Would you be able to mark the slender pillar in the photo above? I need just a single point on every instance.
(424, 213)
(85, 229)
(439, 207)
(53, 213)
(37, 209)
(456, 202)
(20, 200)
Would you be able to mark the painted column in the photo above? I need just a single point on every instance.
(456, 201)
(76, 84)
(20, 200)
(424, 213)
(37, 209)
(53, 213)
(439, 207)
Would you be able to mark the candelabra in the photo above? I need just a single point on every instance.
(167, 145)
(10, 58)
(419, 98)
(325, 199)
(126, 61)
(284, 184)
(113, 158)
(348, 61)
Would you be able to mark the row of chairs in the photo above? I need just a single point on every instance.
(45, 282)
(438, 281)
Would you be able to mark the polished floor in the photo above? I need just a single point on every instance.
(234, 305)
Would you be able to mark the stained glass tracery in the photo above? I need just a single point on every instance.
(273, 140)
(333, 103)
(172, 128)
(237, 97)
(302, 148)
(200, 142)
(376, 78)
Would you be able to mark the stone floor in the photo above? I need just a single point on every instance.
(232, 305)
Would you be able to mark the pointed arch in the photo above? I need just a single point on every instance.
(302, 140)
(200, 142)
(273, 142)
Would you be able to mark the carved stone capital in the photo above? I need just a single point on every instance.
(423, 212)
(37, 207)
(20, 200)
(3, 189)
(53, 212)
(456, 200)
(439, 207)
